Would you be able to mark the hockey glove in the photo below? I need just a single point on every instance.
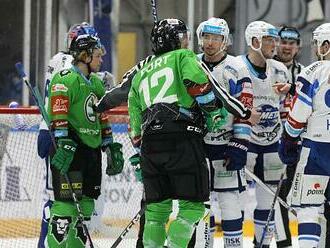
(115, 159)
(216, 119)
(235, 154)
(64, 155)
(135, 162)
(44, 143)
(289, 149)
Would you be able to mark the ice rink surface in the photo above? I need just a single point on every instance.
(127, 243)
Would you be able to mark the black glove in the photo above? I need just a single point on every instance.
(289, 149)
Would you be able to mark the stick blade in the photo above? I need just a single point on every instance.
(20, 69)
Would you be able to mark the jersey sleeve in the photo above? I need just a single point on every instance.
(60, 97)
(240, 87)
(118, 94)
(302, 104)
(135, 114)
(233, 105)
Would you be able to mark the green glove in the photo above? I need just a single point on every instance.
(216, 119)
(135, 162)
(64, 155)
(115, 159)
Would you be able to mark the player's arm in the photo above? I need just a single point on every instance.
(302, 107)
(240, 87)
(60, 98)
(119, 94)
(135, 114)
(233, 105)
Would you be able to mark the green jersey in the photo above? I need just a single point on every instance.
(71, 97)
(162, 81)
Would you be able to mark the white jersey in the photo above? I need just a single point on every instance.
(57, 63)
(311, 104)
(231, 75)
(265, 100)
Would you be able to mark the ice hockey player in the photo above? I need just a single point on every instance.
(269, 78)
(79, 135)
(60, 61)
(227, 148)
(287, 50)
(172, 157)
(309, 115)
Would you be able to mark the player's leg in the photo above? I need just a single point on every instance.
(181, 229)
(44, 223)
(268, 167)
(157, 215)
(308, 194)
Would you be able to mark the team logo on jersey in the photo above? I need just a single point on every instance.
(60, 225)
(59, 105)
(89, 112)
(269, 116)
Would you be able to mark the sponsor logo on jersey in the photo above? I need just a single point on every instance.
(269, 116)
(60, 123)
(88, 107)
(59, 105)
(233, 242)
(59, 88)
(316, 190)
(89, 131)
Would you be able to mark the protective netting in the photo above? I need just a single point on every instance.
(22, 185)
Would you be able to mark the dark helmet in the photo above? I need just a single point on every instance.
(82, 37)
(166, 35)
(289, 33)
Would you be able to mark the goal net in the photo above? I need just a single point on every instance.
(23, 180)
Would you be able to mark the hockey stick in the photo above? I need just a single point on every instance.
(154, 10)
(37, 98)
(270, 215)
(270, 191)
(135, 219)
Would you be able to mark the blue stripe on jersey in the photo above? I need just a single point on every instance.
(209, 97)
(309, 89)
(305, 100)
(242, 128)
(293, 132)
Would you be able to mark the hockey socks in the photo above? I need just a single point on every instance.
(309, 235)
(65, 230)
(260, 219)
(232, 233)
(180, 230)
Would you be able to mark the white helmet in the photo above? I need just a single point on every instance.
(259, 29)
(321, 34)
(213, 26)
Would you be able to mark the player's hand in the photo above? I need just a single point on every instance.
(254, 117)
(235, 154)
(64, 155)
(115, 159)
(135, 162)
(281, 88)
(289, 149)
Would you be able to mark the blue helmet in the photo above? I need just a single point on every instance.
(82, 37)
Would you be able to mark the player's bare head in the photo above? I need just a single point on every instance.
(262, 37)
(321, 41)
(168, 35)
(289, 44)
(213, 36)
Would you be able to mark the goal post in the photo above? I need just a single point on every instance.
(23, 178)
